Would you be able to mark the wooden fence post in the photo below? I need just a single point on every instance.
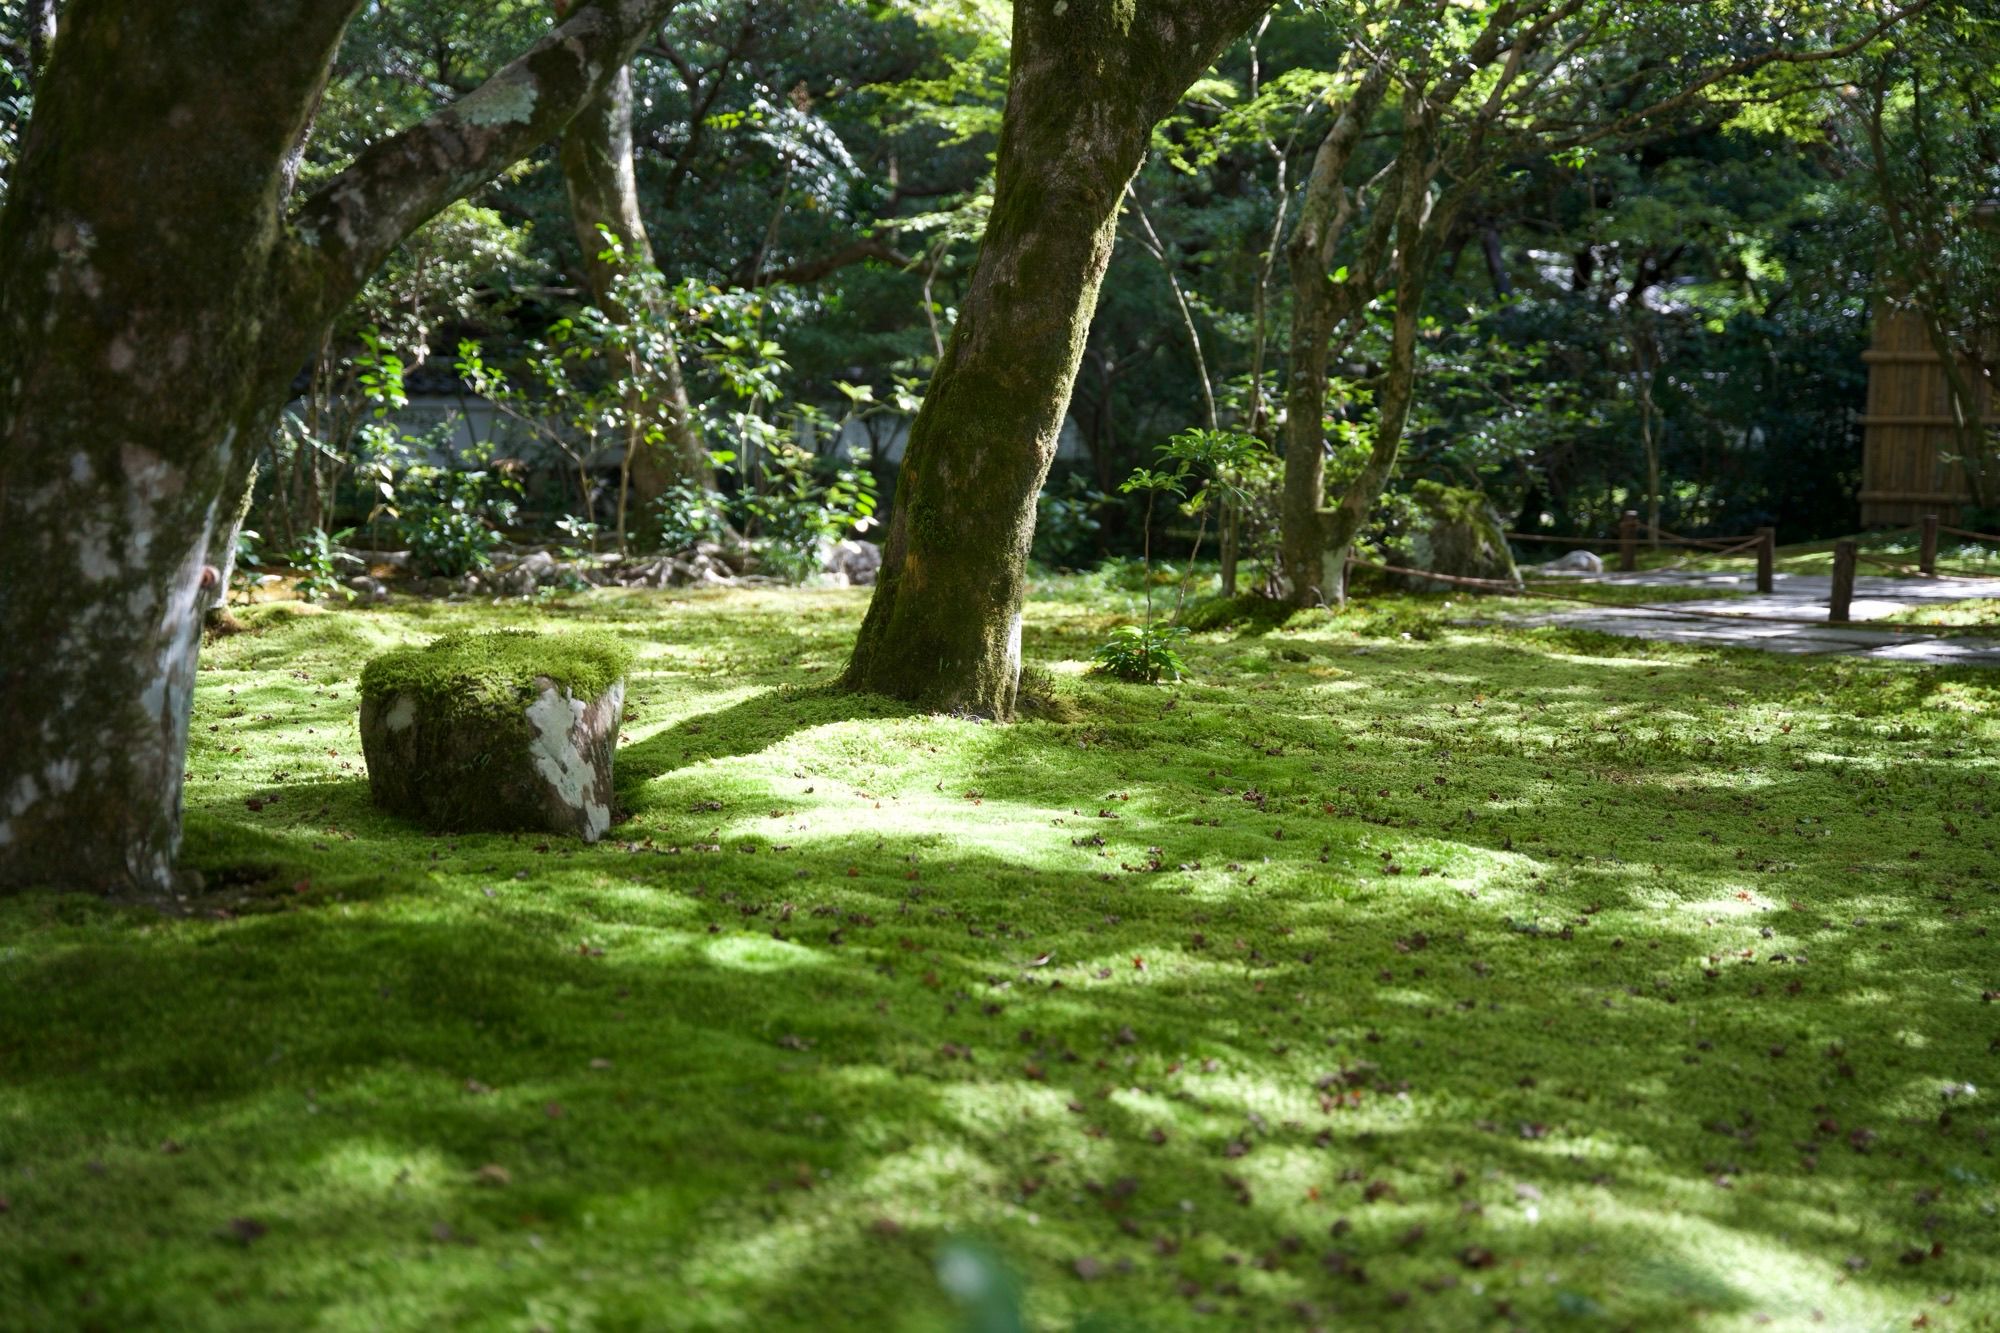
(1843, 581)
(1628, 541)
(1927, 552)
(1767, 557)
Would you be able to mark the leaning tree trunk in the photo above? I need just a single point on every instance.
(603, 189)
(1320, 304)
(1420, 227)
(1343, 522)
(1090, 78)
(155, 303)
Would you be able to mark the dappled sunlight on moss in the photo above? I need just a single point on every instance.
(1501, 966)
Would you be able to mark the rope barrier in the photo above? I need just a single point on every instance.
(1523, 590)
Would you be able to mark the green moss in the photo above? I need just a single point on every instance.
(1457, 959)
(466, 673)
(1254, 613)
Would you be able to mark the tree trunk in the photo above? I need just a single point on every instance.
(1318, 304)
(154, 306)
(1342, 523)
(1089, 81)
(604, 196)
(41, 18)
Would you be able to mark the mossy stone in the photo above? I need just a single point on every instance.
(510, 731)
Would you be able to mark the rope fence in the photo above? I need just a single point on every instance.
(1504, 588)
(1763, 544)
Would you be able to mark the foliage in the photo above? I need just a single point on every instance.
(1147, 653)
(450, 517)
(17, 101)
(800, 506)
(1067, 523)
(317, 574)
(688, 515)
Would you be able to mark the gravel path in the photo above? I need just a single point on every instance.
(1773, 621)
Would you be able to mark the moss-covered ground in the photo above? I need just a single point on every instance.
(1974, 615)
(1388, 973)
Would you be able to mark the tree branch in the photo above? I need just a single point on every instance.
(812, 270)
(345, 230)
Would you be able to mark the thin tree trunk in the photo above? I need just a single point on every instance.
(1231, 522)
(1088, 83)
(155, 303)
(41, 17)
(1157, 248)
(1317, 303)
(1342, 523)
(602, 185)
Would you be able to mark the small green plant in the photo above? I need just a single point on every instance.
(313, 562)
(799, 508)
(249, 548)
(581, 534)
(1225, 456)
(1148, 653)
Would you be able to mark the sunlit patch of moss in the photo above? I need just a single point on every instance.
(1974, 615)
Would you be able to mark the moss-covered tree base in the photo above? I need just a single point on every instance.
(511, 732)
(1459, 536)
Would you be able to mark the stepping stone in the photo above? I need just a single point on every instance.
(511, 732)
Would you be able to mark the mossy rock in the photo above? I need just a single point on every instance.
(511, 731)
(1458, 535)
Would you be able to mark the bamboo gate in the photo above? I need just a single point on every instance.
(1908, 428)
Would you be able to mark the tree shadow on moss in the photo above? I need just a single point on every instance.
(835, 1089)
(754, 725)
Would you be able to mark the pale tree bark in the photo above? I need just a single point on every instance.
(155, 302)
(603, 188)
(1320, 304)
(1090, 78)
(1405, 235)
(41, 17)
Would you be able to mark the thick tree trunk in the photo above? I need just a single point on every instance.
(1089, 81)
(154, 305)
(133, 350)
(603, 189)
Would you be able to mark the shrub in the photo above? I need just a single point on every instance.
(1146, 653)
(448, 518)
(313, 562)
(1066, 524)
(688, 514)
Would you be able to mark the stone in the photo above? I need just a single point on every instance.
(368, 589)
(1574, 562)
(1458, 534)
(509, 731)
(851, 563)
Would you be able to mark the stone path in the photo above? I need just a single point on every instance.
(1734, 621)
